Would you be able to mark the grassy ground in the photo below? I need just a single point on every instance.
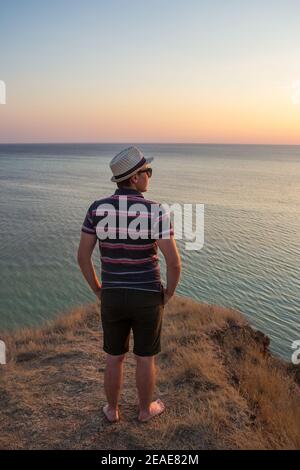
(221, 387)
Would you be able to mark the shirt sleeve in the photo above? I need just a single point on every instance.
(88, 225)
(163, 227)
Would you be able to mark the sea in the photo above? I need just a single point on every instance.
(249, 259)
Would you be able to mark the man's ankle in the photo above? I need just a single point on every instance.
(145, 410)
(113, 408)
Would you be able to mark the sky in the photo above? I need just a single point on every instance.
(157, 71)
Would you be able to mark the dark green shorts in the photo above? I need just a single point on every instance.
(123, 309)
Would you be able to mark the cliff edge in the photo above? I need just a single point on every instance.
(221, 386)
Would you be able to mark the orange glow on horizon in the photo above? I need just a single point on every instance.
(149, 118)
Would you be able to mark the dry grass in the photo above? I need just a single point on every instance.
(220, 388)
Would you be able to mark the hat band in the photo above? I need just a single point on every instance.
(128, 172)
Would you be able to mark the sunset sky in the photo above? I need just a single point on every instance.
(150, 71)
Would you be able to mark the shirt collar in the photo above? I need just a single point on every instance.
(128, 191)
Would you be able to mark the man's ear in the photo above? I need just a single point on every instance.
(134, 179)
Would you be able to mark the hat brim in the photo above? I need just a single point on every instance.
(114, 180)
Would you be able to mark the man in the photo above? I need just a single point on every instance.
(132, 295)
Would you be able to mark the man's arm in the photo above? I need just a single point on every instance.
(169, 250)
(84, 259)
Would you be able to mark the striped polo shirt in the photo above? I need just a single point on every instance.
(127, 227)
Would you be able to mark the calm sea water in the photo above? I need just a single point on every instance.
(250, 259)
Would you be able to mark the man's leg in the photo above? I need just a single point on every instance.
(145, 382)
(113, 380)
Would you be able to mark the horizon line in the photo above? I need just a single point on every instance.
(147, 143)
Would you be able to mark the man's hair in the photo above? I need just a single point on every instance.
(121, 184)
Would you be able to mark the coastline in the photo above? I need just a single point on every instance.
(222, 387)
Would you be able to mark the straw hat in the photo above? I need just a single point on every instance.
(126, 163)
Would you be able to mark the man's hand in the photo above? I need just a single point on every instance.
(167, 296)
(98, 293)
